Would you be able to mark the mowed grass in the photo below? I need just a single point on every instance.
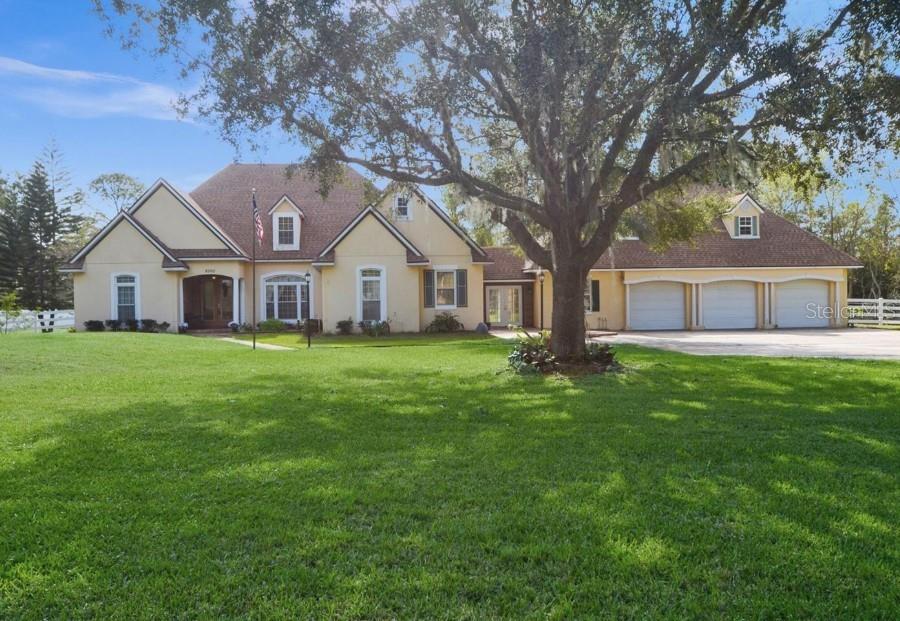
(154, 476)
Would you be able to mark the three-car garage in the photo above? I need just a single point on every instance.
(728, 304)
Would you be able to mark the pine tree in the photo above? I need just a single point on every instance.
(35, 217)
(46, 221)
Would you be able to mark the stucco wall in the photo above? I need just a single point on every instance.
(172, 223)
(370, 244)
(445, 248)
(124, 250)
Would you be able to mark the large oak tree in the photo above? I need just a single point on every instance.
(558, 116)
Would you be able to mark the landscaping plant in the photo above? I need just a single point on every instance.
(445, 322)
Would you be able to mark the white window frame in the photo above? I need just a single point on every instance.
(408, 216)
(740, 226)
(301, 277)
(382, 290)
(437, 270)
(589, 297)
(295, 245)
(114, 294)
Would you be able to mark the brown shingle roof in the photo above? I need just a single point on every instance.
(780, 244)
(225, 197)
(507, 264)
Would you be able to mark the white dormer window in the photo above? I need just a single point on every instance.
(286, 227)
(746, 226)
(402, 209)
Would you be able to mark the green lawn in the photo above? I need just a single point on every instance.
(164, 476)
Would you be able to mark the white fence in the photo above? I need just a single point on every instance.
(878, 312)
(37, 321)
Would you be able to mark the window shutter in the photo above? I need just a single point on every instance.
(462, 288)
(429, 288)
(737, 227)
(595, 296)
(755, 221)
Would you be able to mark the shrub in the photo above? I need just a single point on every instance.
(444, 322)
(149, 325)
(345, 326)
(234, 326)
(71, 330)
(94, 325)
(272, 325)
(132, 325)
(164, 326)
(600, 354)
(311, 326)
(532, 354)
(113, 324)
(375, 328)
(246, 327)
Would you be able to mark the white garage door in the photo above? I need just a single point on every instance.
(657, 306)
(729, 305)
(796, 302)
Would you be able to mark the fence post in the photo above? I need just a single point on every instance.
(880, 311)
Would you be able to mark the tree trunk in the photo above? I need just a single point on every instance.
(567, 338)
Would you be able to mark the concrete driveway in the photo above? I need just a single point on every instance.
(840, 343)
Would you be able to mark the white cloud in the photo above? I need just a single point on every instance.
(86, 94)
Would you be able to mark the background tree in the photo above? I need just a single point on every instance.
(8, 237)
(562, 116)
(117, 190)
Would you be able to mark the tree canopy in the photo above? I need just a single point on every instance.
(558, 116)
(117, 189)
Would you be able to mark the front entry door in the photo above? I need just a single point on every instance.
(208, 302)
(505, 305)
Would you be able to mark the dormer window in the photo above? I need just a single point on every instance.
(286, 217)
(402, 210)
(746, 226)
(287, 231)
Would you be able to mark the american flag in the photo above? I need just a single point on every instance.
(257, 220)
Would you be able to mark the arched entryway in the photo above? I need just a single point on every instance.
(208, 302)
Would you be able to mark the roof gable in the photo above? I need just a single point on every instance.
(478, 253)
(179, 220)
(413, 253)
(285, 200)
(169, 260)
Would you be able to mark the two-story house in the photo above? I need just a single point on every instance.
(184, 258)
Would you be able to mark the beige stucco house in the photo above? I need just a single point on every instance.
(184, 258)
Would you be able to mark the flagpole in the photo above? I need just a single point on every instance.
(253, 262)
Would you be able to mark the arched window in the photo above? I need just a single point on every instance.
(287, 297)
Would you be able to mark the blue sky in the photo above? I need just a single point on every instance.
(109, 110)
